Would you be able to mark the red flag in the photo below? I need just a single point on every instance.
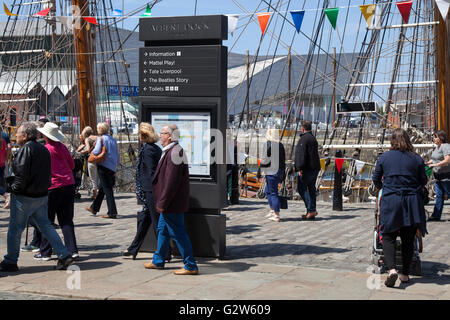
(339, 163)
(43, 13)
(263, 19)
(405, 9)
(91, 20)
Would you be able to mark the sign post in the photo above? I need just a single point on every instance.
(183, 80)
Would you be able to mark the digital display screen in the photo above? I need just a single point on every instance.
(194, 137)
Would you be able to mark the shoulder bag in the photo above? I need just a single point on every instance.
(95, 159)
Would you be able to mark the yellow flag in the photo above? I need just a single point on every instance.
(8, 13)
(368, 11)
(322, 164)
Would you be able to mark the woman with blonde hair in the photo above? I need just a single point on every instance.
(273, 165)
(147, 161)
(106, 172)
(88, 143)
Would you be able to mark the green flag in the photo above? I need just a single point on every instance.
(148, 11)
(428, 171)
(332, 15)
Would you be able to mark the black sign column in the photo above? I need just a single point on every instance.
(183, 80)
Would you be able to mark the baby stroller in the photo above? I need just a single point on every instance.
(377, 248)
(78, 172)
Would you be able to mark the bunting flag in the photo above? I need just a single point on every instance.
(339, 163)
(405, 9)
(359, 165)
(376, 22)
(428, 171)
(8, 13)
(65, 21)
(332, 15)
(263, 19)
(148, 11)
(232, 22)
(42, 13)
(91, 20)
(117, 13)
(297, 17)
(368, 12)
(322, 164)
(443, 6)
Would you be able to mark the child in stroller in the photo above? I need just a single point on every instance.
(377, 248)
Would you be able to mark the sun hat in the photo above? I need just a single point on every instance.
(51, 131)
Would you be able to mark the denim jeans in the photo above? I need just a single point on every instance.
(271, 190)
(440, 187)
(171, 225)
(35, 209)
(307, 189)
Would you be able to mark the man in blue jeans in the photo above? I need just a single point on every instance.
(29, 198)
(307, 163)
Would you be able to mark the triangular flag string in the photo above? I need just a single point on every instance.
(332, 14)
(405, 9)
(297, 17)
(443, 6)
(368, 12)
(232, 22)
(339, 163)
(322, 164)
(43, 13)
(148, 11)
(8, 13)
(359, 165)
(263, 19)
(91, 20)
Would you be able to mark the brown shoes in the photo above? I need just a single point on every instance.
(90, 210)
(310, 215)
(151, 266)
(105, 216)
(183, 271)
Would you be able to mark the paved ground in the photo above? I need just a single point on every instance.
(294, 259)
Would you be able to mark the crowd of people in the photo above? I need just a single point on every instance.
(42, 188)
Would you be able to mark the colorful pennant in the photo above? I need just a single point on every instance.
(148, 11)
(297, 17)
(428, 171)
(263, 19)
(91, 20)
(117, 13)
(232, 22)
(339, 163)
(43, 13)
(332, 14)
(405, 9)
(443, 6)
(368, 12)
(322, 164)
(8, 13)
(359, 165)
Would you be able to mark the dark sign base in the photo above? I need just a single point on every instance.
(209, 242)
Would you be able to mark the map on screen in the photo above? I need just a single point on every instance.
(194, 136)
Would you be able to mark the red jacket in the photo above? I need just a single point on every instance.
(171, 182)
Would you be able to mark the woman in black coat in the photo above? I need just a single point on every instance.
(401, 174)
(148, 158)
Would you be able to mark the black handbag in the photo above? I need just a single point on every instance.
(283, 196)
(425, 196)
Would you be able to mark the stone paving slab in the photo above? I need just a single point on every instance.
(294, 259)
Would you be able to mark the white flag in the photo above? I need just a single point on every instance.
(377, 17)
(443, 6)
(232, 22)
(359, 166)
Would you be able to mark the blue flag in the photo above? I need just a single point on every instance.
(297, 16)
(117, 13)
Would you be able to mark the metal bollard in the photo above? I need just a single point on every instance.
(337, 190)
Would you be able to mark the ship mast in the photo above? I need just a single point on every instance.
(85, 70)
(443, 71)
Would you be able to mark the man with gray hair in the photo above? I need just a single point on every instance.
(29, 198)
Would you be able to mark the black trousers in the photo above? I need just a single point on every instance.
(407, 235)
(145, 219)
(61, 205)
(107, 180)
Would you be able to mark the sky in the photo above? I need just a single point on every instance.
(248, 33)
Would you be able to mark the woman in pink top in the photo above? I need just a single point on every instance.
(61, 194)
(3, 154)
